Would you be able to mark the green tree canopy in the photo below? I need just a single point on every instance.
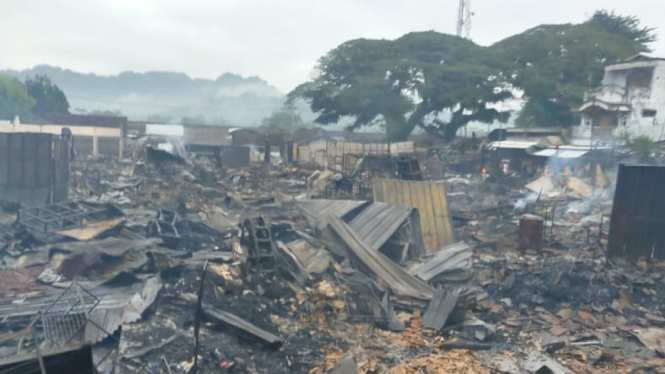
(627, 26)
(435, 81)
(555, 64)
(49, 98)
(14, 99)
(441, 82)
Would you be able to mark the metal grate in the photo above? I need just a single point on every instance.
(61, 216)
(62, 323)
(63, 320)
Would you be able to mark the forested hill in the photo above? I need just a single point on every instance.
(165, 96)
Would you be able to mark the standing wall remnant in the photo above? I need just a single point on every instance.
(34, 168)
(638, 213)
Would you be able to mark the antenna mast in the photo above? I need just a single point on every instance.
(464, 19)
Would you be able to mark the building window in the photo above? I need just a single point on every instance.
(649, 113)
(639, 79)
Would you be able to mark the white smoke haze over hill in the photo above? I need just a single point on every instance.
(168, 97)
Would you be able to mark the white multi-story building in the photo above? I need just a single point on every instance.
(630, 102)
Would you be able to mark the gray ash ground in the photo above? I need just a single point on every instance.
(299, 353)
(555, 284)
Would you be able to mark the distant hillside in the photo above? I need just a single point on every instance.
(163, 96)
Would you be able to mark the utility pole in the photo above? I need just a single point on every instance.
(292, 109)
(464, 19)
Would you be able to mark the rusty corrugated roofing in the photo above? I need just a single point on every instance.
(430, 200)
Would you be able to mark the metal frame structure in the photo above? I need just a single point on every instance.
(60, 324)
(164, 228)
(67, 316)
(407, 167)
(59, 216)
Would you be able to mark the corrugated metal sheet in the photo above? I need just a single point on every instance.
(363, 257)
(638, 213)
(430, 200)
(439, 309)
(316, 211)
(378, 222)
(108, 319)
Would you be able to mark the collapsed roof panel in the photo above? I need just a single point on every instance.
(450, 264)
(392, 229)
(378, 222)
(316, 210)
(364, 257)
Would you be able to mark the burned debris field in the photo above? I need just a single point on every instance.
(168, 262)
(332, 188)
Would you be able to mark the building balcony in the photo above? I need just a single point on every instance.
(609, 94)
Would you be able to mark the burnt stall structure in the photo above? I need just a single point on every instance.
(638, 213)
(34, 168)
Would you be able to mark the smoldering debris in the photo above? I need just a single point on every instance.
(297, 285)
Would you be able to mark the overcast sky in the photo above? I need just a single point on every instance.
(279, 41)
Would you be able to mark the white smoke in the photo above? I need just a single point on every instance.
(586, 206)
(530, 198)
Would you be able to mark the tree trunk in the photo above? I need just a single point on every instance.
(450, 132)
(398, 130)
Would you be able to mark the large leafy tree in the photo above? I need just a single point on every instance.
(627, 26)
(435, 81)
(14, 99)
(49, 98)
(554, 64)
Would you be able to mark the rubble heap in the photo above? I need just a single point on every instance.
(167, 265)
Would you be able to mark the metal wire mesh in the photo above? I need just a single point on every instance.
(62, 323)
(63, 320)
